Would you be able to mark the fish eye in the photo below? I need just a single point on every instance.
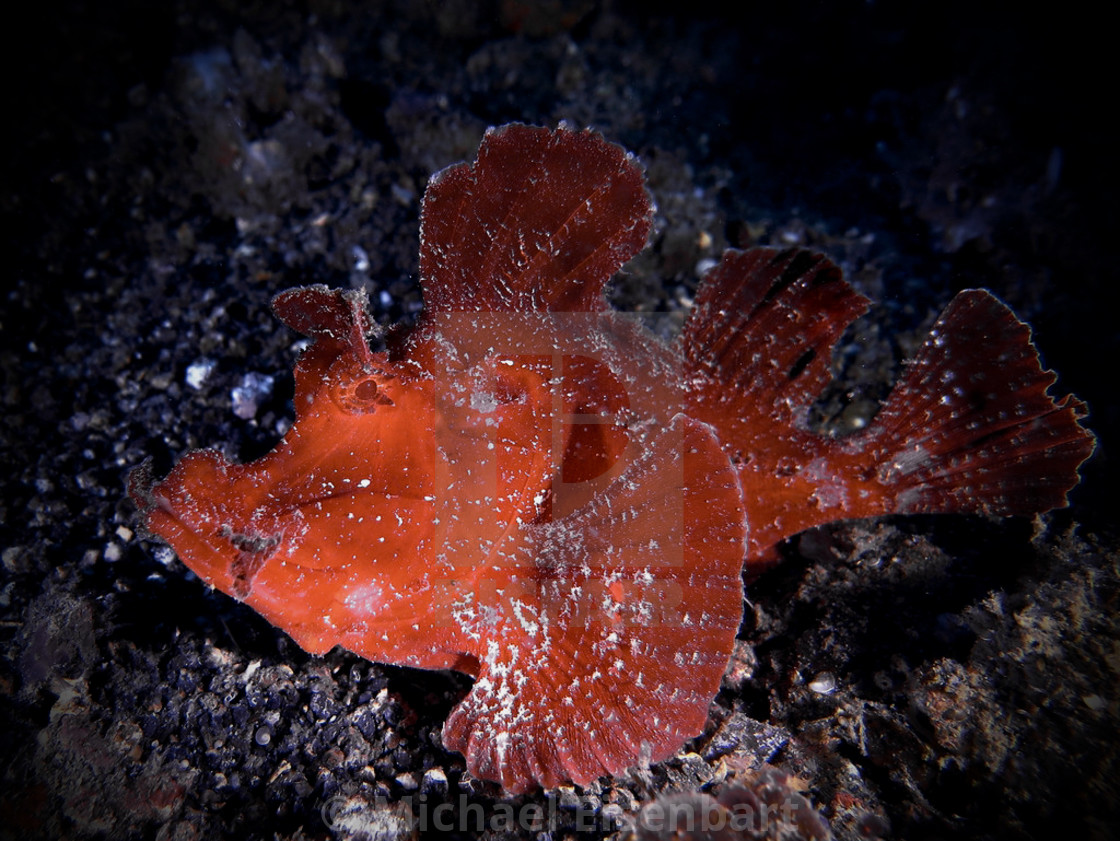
(361, 396)
(357, 390)
(368, 391)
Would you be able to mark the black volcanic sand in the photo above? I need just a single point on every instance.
(172, 167)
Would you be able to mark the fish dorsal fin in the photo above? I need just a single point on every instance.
(327, 314)
(970, 426)
(539, 222)
(763, 327)
(605, 646)
(337, 321)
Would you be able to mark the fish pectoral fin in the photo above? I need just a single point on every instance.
(610, 648)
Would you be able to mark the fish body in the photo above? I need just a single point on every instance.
(530, 488)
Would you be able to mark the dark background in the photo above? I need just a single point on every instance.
(926, 147)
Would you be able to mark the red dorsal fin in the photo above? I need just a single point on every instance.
(763, 326)
(539, 222)
(605, 645)
(971, 426)
(337, 321)
(327, 314)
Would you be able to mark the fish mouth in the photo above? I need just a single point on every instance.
(197, 510)
(253, 537)
(284, 555)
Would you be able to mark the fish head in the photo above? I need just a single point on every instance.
(331, 536)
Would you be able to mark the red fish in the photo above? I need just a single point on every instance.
(530, 488)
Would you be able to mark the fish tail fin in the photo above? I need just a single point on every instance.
(970, 427)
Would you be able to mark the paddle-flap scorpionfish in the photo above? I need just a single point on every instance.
(530, 488)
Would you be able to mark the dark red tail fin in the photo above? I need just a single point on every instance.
(970, 428)
(971, 425)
